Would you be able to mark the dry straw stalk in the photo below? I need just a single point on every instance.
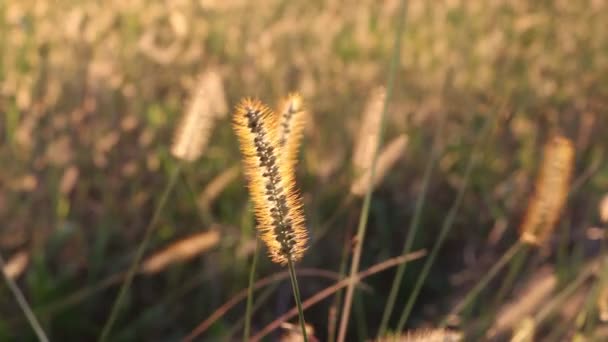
(552, 187)
(277, 204)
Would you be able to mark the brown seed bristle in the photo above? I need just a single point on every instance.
(290, 126)
(193, 131)
(277, 204)
(552, 187)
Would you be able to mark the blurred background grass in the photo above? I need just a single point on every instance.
(90, 93)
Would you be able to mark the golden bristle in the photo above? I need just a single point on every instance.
(290, 126)
(277, 204)
(369, 129)
(193, 131)
(551, 191)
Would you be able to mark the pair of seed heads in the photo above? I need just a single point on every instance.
(269, 143)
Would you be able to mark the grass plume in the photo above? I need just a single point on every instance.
(291, 120)
(277, 204)
(551, 191)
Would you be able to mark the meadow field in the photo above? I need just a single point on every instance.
(452, 170)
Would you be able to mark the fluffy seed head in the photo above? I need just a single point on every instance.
(193, 131)
(369, 129)
(277, 204)
(291, 122)
(552, 187)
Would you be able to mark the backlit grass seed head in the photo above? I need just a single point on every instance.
(193, 131)
(277, 204)
(552, 187)
(291, 122)
(369, 129)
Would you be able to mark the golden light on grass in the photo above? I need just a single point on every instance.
(180, 251)
(277, 204)
(386, 159)
(552, 187)
(291, 120)
(369, 129)
(194, 129)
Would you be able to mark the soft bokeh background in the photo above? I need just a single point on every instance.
(90, 93)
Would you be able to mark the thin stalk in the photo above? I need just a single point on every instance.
(260, 300)
(328, 291)
(254, 263)
(25, 307)
(506, 257)
(338, 296)
(139, 255)
(354, 269)
(412, 231)
(447, 225)
(514, 270)
(297, 298)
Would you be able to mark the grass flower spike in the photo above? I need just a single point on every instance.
(290, 126)
(277, 204)
(551, 191)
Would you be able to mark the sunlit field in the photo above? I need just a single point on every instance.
(448, 170)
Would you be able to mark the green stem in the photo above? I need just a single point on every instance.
(413, 229)
(506, 257)
(139, 255)
(514, 269)
(297, 298)
(354, 269)
(25, 307)
(254, 263)
(447, 225)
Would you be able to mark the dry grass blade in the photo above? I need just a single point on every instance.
(16, 264)
(319, 296)
(216, 186)
(369, 129)
(387, 158)
(218, 313)
(180, 251)
(536, 291)
(551, 192)
(424, 335)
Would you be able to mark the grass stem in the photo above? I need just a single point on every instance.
(25, 307)
(354, 269)
(506, 257)
(139, 255)
(297, 298)
(254, 263)
(446, 226)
